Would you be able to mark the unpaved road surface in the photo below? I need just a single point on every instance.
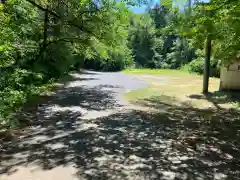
(65, 143)
(87, 131)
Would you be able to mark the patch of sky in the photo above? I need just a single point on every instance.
(144, 7)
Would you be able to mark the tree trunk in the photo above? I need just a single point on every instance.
(207, 65)
(45, 32)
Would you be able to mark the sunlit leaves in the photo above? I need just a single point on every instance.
(42, 40)
(167, 3)
(220, 20)
(174, 3)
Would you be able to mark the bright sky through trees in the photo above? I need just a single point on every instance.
(142, 8)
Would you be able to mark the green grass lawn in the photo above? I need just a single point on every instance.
(168, 72)
(181, 86)
(194, 120)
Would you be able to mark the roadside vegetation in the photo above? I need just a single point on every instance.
(160, 72)
(42, 41)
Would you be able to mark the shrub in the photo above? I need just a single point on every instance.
(197, 66)
(115, 62)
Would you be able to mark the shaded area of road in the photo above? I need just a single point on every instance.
(85, 96)
(85, 131)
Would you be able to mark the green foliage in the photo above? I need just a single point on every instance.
(141, 40)
(218, 20)
(197, 66)
(181, 53)
(42, 41)
(154, 45)
(160, 15)
(118, 60)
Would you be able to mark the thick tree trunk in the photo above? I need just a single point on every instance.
(207, 65)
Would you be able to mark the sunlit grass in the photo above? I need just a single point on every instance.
(169, 72)
(178, 84)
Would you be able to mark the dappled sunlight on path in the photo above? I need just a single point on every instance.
(86, 132)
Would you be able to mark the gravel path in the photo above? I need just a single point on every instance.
(87, 131)
(47, 150)
(113, 82)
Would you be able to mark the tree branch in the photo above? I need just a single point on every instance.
(70, 22)
(55, 41)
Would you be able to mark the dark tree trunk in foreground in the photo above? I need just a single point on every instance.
(207, 65)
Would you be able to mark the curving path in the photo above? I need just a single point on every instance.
(87, 131)
(61, 140)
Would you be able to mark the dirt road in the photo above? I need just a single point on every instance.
(87, 131)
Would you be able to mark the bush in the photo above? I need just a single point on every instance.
(115, 62)
(197, 66)
(104, 65)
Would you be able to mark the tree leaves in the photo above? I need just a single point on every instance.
(33, 45)
(220, 20)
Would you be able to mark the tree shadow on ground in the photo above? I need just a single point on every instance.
(67, 94)
(219, 97)
(174, 142)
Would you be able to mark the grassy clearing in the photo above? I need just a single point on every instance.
(181, 86)
(194, 122)
(168, 72)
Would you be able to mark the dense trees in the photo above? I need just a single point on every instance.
(141, 40)
(43, 40)
(215, 23)
(179, 36)
(155, 44)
